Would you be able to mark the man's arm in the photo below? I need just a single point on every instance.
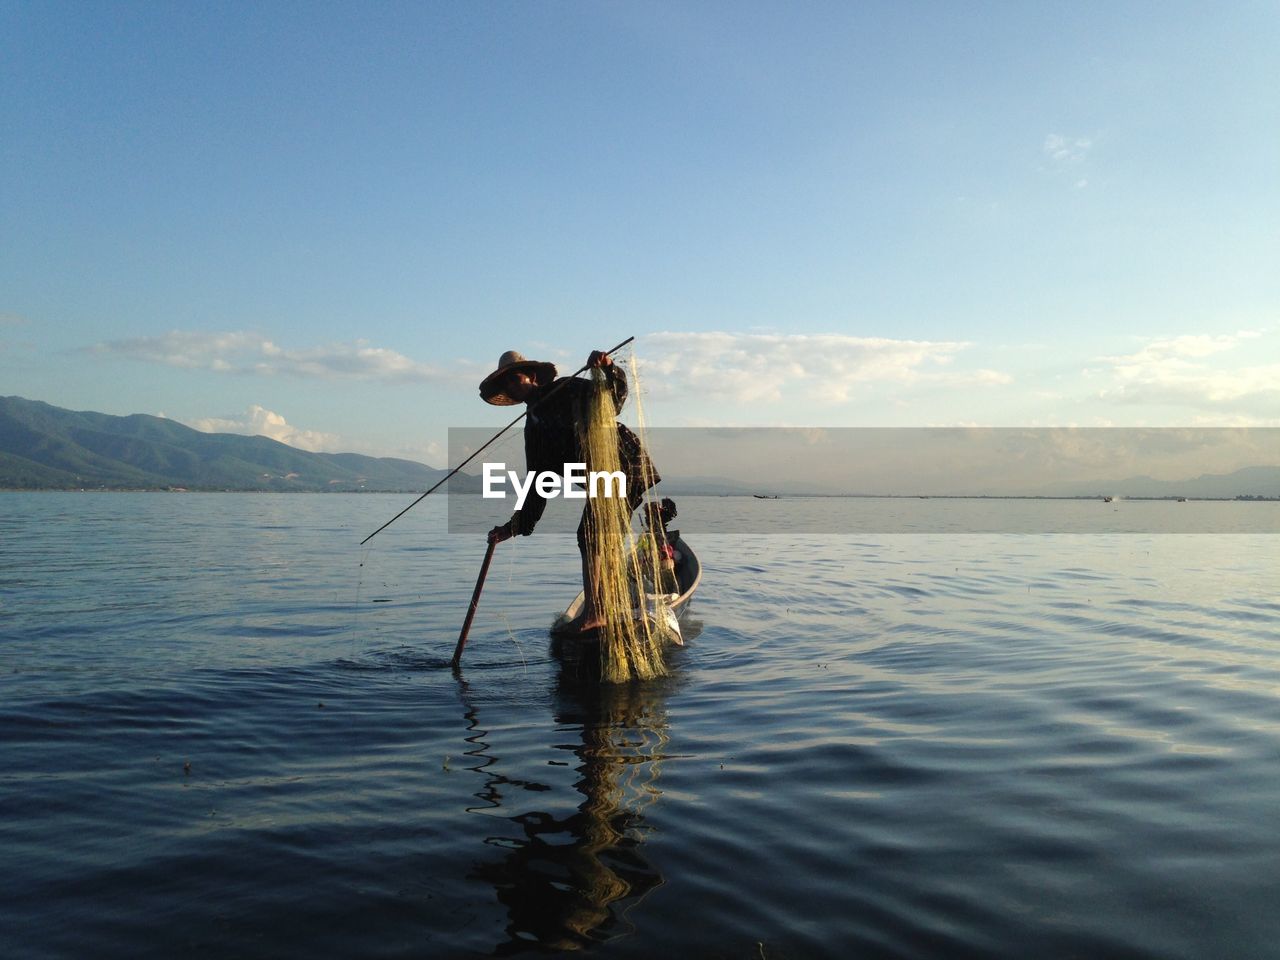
(536, 460)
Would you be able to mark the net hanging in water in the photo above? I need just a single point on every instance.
(630, 641)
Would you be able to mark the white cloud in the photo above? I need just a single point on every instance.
(763, 368)
(1066, 151)
(250, 353)
(981, 378)
(258, 421)
(1201, 373)
(431, 452)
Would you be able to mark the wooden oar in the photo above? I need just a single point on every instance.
(471, 610)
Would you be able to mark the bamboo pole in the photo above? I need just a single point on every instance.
(471, 610)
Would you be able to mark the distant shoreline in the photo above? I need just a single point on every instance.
(1239, 498)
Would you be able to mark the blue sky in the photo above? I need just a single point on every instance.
(324, 222)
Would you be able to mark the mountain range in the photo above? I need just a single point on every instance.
(43, 447)
(1255, 482)
(1259, 482)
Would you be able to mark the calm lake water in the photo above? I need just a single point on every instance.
(227, 730)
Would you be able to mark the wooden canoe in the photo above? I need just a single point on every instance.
(688, 576)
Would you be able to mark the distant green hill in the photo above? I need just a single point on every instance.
(43, 447)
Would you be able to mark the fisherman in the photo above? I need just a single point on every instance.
(656, 551)
(557, 418)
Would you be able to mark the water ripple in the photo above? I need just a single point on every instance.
(228, 731)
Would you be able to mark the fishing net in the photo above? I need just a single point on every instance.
(630, 641)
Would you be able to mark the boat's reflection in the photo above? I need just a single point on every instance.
(568, 880)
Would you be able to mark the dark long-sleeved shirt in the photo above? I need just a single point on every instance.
(552, 439)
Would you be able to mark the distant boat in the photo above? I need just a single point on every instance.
(765, 496)
(1107, 499)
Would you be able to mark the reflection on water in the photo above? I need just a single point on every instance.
(567, 881)
(929, 747)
